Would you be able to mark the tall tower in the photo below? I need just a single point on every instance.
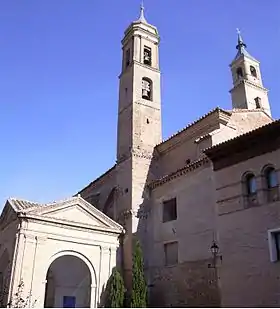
(139, 125)
(248, 91)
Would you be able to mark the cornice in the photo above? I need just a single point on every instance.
(135, 62)
(133, 27)
(247, 82)
(62, 223)
(180, 172)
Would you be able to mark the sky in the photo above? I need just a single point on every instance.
(59, 67)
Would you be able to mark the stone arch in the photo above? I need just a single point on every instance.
(78, 255)
(70, 277)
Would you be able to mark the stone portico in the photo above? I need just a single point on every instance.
(63, 252)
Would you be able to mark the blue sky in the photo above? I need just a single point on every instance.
(59, 67)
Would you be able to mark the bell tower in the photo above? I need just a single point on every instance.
(139, 126)
(248, 91)
(139, 120)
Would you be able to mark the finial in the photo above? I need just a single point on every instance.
(142, 17)
(240, 44)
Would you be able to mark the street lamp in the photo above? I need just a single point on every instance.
(215, 251)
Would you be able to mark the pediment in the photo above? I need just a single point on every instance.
(78, 211)
(75, 213)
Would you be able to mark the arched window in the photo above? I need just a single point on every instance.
(270, 178)
(239, 72)
(250, 184)
(250, 190)
(253, 71)
(147, 89)
(271, 184)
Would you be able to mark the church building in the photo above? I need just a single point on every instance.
(204, 203)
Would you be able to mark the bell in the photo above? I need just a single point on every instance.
(145, 93)
(147, 57)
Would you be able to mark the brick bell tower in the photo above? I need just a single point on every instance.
(248, 91)
(139, 126)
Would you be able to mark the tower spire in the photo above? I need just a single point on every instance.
(240, 43)
(241, 47)
(142, 17)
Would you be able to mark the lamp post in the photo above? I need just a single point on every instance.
(215, 251)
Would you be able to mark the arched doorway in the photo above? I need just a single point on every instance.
(68, 283)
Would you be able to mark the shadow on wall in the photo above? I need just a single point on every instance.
(187, 284)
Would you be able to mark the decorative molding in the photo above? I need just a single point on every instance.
(186, 169)
(71, 225)
(150, 105)
(142, 154)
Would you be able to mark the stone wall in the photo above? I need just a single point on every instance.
(98, 192)
(248, 277)
(186, 283)
(189, 284)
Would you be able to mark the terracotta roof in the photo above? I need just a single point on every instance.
(182, 171)
(256, 132)
(22, 205)
(217, 109)
(97, 179)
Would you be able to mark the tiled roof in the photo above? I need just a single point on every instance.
(20, 205)
(248, 134)
(217, 109)
(244, 52)
(23, 205)
(97, 179)
(182, 171)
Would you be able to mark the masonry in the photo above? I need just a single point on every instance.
(151, 173)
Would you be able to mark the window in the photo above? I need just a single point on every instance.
(127, 58)
(271, 184)
(146, 89)
(250, 190)
(258, 102)
(271, 178)
(69, 301)
(169, 210)
(274, 245)
(253, 71)
(171, 253)
(251, 185)
(147, 56)
(239, 73)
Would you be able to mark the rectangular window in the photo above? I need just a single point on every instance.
(147, 55)
(127, 57)
(274, 245)
(169, 210)
(69, 301)
(171, 253)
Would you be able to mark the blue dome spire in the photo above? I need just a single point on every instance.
(241, 47)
